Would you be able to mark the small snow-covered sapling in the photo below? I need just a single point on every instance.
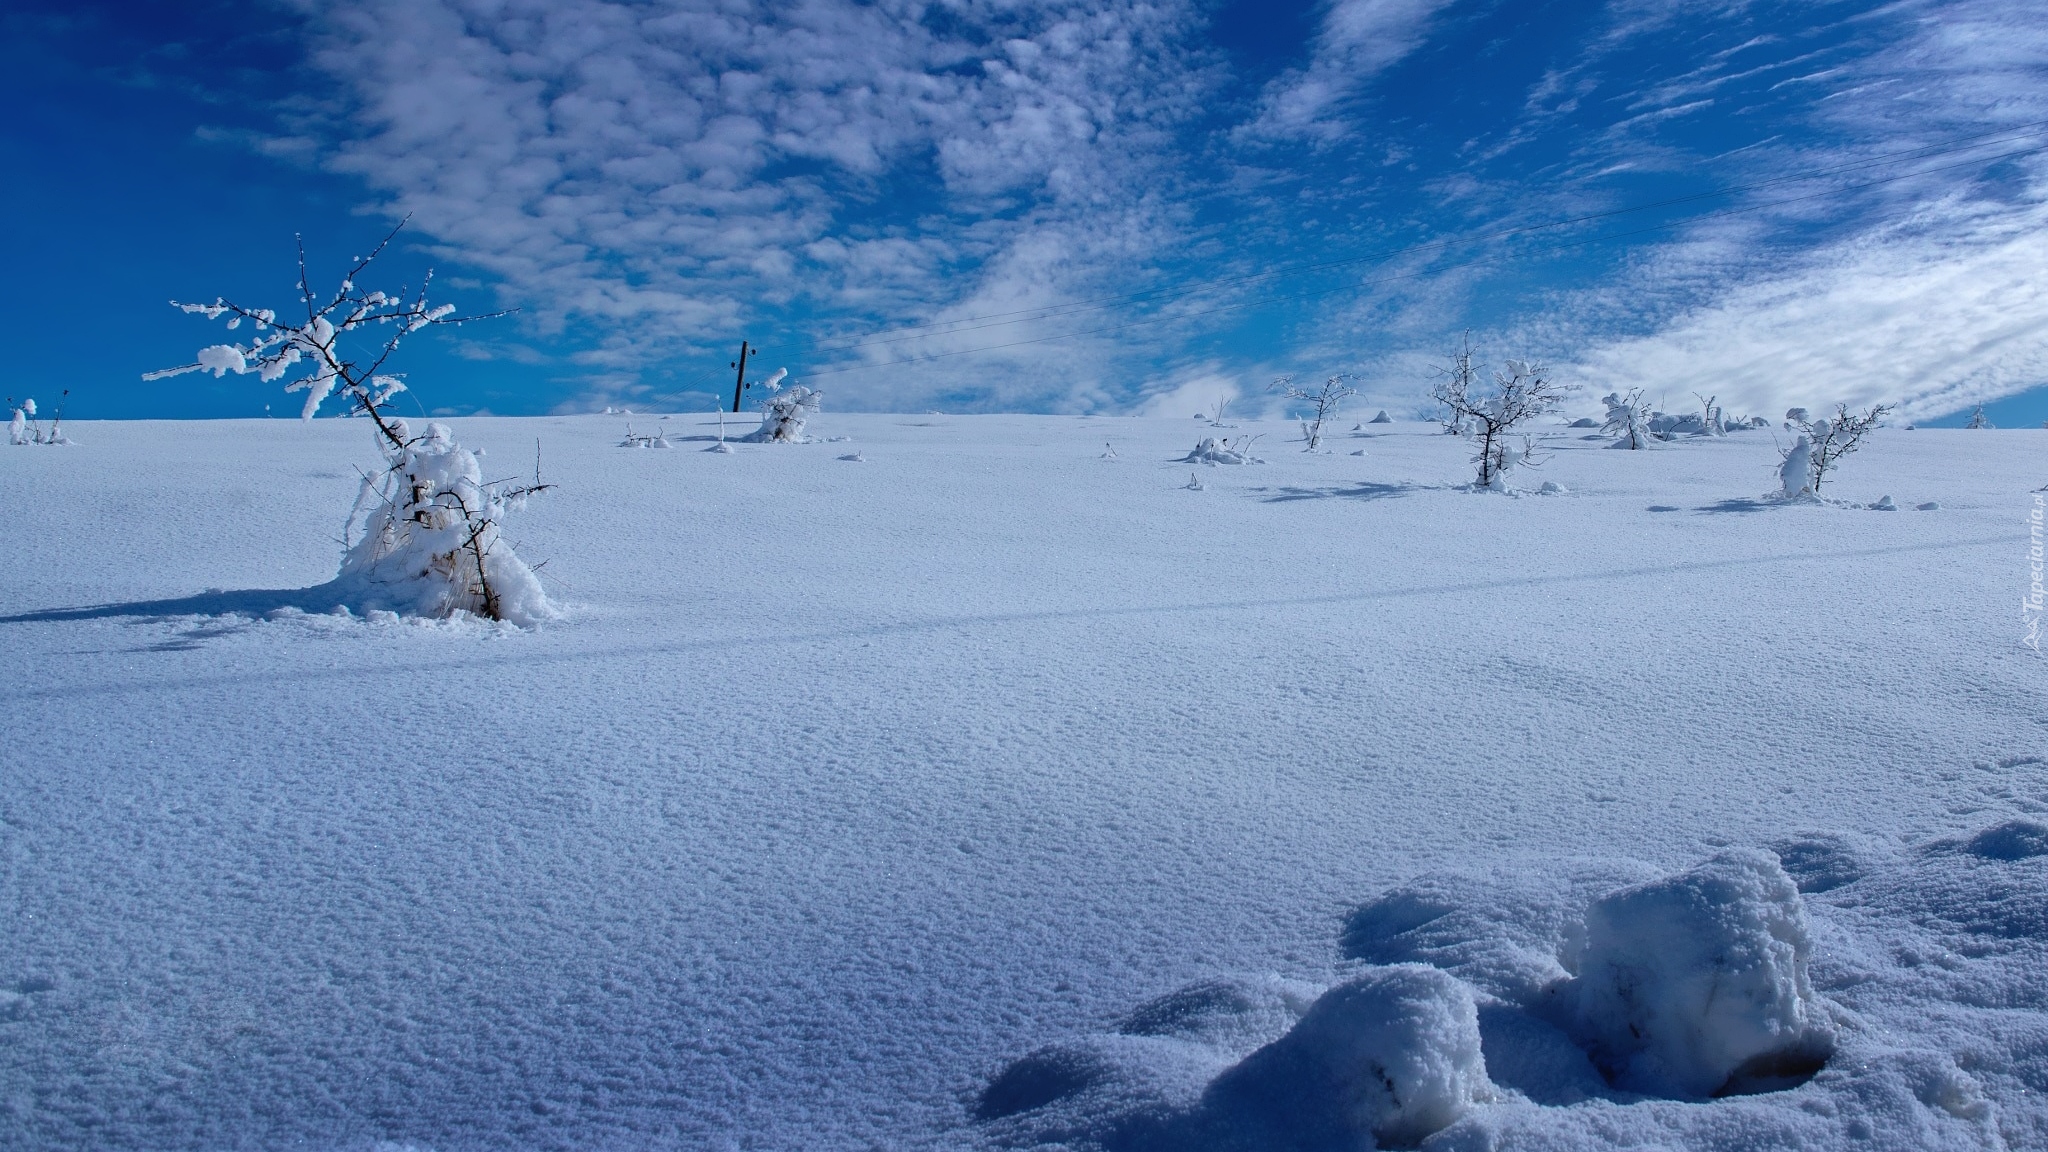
(1824, 442)
(429, 540)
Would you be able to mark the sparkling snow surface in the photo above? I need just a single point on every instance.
(845, 784)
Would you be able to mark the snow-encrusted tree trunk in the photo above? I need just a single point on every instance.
(429, 543)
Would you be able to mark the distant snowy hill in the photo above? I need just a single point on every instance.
(978, 781)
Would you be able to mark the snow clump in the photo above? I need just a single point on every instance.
(1696, 985)
(1387, 1058)
(1214, 451)
(1795, 475)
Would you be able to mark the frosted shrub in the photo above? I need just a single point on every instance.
(1325, 400)
(784, 415)
(1211, 450)
(424, 535)
(1822, 444)
(26, 428)
(429, 542)
(1696, 985)
(1628, 420)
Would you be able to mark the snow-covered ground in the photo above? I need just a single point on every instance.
(983, 789)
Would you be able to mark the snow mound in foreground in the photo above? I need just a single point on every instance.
(1697, 985)
(1836, 992)
(1387, 1058)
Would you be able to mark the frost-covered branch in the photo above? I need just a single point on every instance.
(278, 348)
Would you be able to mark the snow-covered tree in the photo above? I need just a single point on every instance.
(1628, 420)
(1462, 376)
(1325, 399)
(1521, 392)
(429, 541)
(1978, 420)
(1823, 443)
(784, 415)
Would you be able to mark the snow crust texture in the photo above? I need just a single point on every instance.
(1002, 793)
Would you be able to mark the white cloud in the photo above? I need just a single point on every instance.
(673, 172)
(1944, 311)
(1358, 39)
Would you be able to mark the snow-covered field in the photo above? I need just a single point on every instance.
(898, 802)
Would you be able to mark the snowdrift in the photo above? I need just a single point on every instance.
(1517, 1009)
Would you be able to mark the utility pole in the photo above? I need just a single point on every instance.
(740, 381)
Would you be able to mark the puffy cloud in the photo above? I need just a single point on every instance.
(669, 172)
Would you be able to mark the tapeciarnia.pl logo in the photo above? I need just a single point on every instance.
(2031, 604)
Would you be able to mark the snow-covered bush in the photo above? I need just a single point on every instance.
(1710, 416)
(1823, 443)
(1225, 451)
(1979, 420)
(1696, 985)
(655, 439)
(429, 541)
(784, 415)
(26, 428)
(1385, 1059)
(1628, 420)
(1521, 392)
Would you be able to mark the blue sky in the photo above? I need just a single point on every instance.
(1041, 207)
